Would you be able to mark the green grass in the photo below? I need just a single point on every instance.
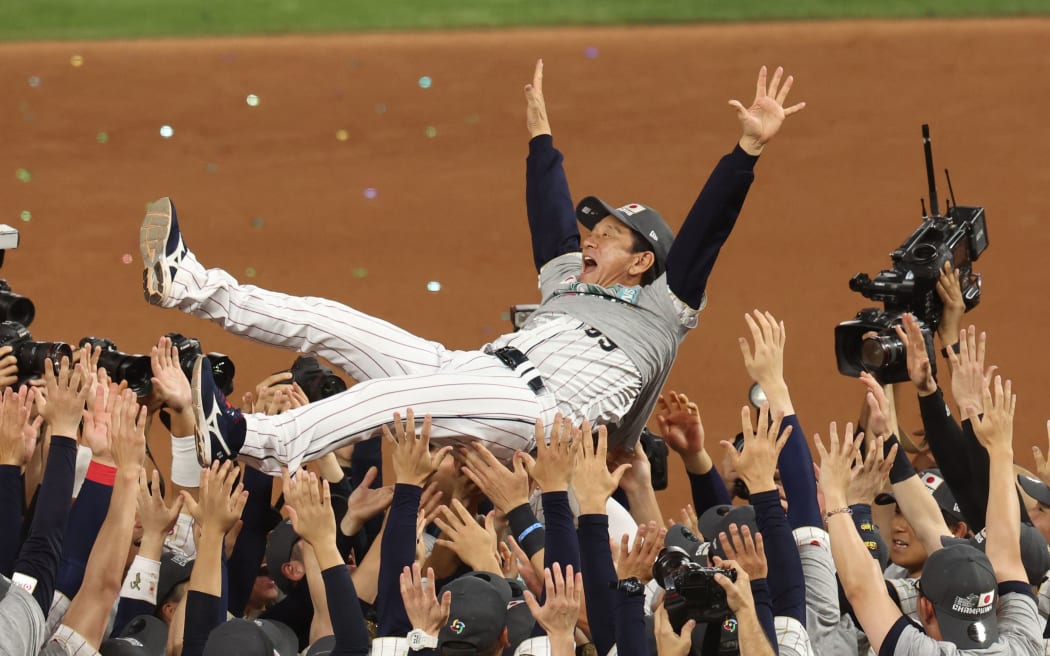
(99, 19)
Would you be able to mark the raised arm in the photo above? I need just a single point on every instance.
(859, 574)
(715, 211)
(995, 430)
(552, 216)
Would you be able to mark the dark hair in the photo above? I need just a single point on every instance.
(640, 244)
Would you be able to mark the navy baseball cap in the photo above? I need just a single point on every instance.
(960, 583)
(478, 613)
(717, 520)
(642, 219)
(279, 546)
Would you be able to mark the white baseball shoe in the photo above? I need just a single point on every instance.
(163, 250)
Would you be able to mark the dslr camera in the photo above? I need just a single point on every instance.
(691, 590)
(31, 355)
(958, 237)
(317, 382)
(137, 370)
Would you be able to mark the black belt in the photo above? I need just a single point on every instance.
(518, 363)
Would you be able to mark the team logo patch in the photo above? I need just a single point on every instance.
(652, 233)
(729, 625)
(457, 626)
(974, 604)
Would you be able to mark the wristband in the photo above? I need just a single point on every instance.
(101, 474)
(526, 529)
(902, 468)
(141, 580)
(185, 470)
(954, 347)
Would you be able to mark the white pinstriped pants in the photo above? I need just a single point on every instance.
(470, 395)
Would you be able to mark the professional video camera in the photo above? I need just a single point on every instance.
(137, 370)
(30, 354)
(692, 593)
(317, 382)
(958, 237)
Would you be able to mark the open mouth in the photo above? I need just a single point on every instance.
(899, 544)
(589, 264)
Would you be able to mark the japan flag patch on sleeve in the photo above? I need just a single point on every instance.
(27, 583)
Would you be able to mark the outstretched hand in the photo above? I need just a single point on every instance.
(535, 107)
(920, 369)
(762, 120)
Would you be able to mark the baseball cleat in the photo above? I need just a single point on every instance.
(219, 429)
(162, 251)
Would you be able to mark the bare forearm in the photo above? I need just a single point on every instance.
(857, 571)
(643, 504)
(207, 569)
(779, 397)
(1002, 527)
(753, 639)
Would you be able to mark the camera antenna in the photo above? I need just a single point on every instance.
(951, 192)
(927, 148)
(922, 202)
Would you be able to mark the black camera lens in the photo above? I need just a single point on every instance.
(669, 561)
(881, 351)
(16, 308)
(32, 355)
(136, 370)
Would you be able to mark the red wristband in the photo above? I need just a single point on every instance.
(102, 474)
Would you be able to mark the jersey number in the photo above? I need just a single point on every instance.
(604, 342)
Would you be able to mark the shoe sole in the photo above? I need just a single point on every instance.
(201, 438)
(153, 242)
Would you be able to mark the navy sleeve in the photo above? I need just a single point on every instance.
(707, 226)
(787, 586)
(397, 549)
(561, 545)
(204, 612)
(367, 454)
(598, 572)
(85, 521)
(348, 623)
(865, 526)
(1016, 587)
(41, 551)
(548, 203)
(764, 610)
(949, 448)
(248, 552)
(796, 474)
(629, 620)
(889, 643)
(709, 490)
(11, 509)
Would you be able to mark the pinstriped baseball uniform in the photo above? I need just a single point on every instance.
(601, 354)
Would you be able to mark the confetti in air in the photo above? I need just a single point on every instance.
(425, 82)
(433, 286)
(167, 131)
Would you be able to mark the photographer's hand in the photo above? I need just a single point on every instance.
(754, 641)
(171, 386)
(762, 120)
(920, 371)
(951, 296)
(8, 367)
(669, 643)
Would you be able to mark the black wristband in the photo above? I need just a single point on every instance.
(902, 469)
(954, 347)
(528, 532)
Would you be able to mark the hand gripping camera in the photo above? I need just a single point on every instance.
(137, 370)
(692, 593)
(31, 355)
(958, 237)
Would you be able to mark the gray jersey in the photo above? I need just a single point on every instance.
(1020, 634)
(610, 332)
(21, 621)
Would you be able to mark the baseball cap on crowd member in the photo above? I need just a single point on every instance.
(717, 520)
(1035, 488)
(644, 220)
(175, 568)
(279, 547)
(251, 638)
(477, 616)
(520, 621)
(144, 635)
(322, 646)
(959, 582)
(680, 536)
(1035, 553)
(942, 494)
(21, 620)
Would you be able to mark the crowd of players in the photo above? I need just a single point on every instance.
(551, 553)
